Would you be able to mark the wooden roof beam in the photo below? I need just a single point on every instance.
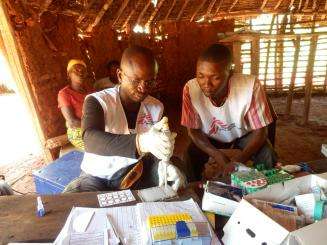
(300, 5)
(154, 13)
(306, 4)
(45, 6)
(263, 5)
(98, 18)
(88, 6)
(278, 4)
(212, 3)
(232, 6)
(131, 14)
(182, 10)
(197, 10)
(172, 7)
(217, 10)
(120, 12)
(138, 21)
(291, 4)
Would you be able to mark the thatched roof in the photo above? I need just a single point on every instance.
(124, 13)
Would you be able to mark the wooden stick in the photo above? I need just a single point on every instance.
(131, 14)
(138, 21)
(182, 10)
(249, 37)
(263, 5)
(45, 6)
(120, 12)
(280, 51)
(212, 3)
(237, 57)
(98, 18)
(306, 4)
(299, 7)
(232, 6)
(254, 13)
(291, 4)
(197, 10)
(170, 9)
(293, 77)
(308, 80)
(255, 56)
(314, 5)
(268, 52)
(217, 10)
(153, 15)
(82, 16)
(278, 4)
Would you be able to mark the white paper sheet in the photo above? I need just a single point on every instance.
(129, 221)
(157, 208)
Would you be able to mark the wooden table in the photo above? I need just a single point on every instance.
(19, 222)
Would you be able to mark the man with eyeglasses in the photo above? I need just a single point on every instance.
(126, 139)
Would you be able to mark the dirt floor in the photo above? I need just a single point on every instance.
(294, 143)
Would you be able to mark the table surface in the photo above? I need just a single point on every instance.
(19, 222)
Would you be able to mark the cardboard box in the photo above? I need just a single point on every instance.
(248, 225)
(220, 198)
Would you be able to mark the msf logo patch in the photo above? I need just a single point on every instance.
(145, 119)
(217, 125)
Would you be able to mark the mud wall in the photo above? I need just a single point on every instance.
(47, 45)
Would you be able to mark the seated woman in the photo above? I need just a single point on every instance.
(71, 99)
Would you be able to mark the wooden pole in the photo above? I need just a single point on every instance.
(131, 14)
(154, 13)
(263, 5)
(255, 56)
(120, 12)
(139, 19)
(280, 53)
(84, 13)
(237, 57)
(197, 10)
(291, 4)
(268, 53)
(220, 3)
(278, 4)
(99, 16)
(293, 77)
(170, 9)
(182, 10)
(212, 3)
(308, 79)
(232, 6)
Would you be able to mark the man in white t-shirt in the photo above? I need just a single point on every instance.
(225, 110)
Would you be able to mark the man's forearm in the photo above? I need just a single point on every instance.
(257, 139)
(202, 142)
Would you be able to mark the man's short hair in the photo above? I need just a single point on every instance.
(112, 63)
(216, 53)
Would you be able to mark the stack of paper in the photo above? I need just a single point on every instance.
(91, 226)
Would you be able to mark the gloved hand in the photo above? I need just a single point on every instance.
(173, 175)
(158, 140)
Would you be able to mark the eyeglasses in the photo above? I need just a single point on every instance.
(149, 83)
